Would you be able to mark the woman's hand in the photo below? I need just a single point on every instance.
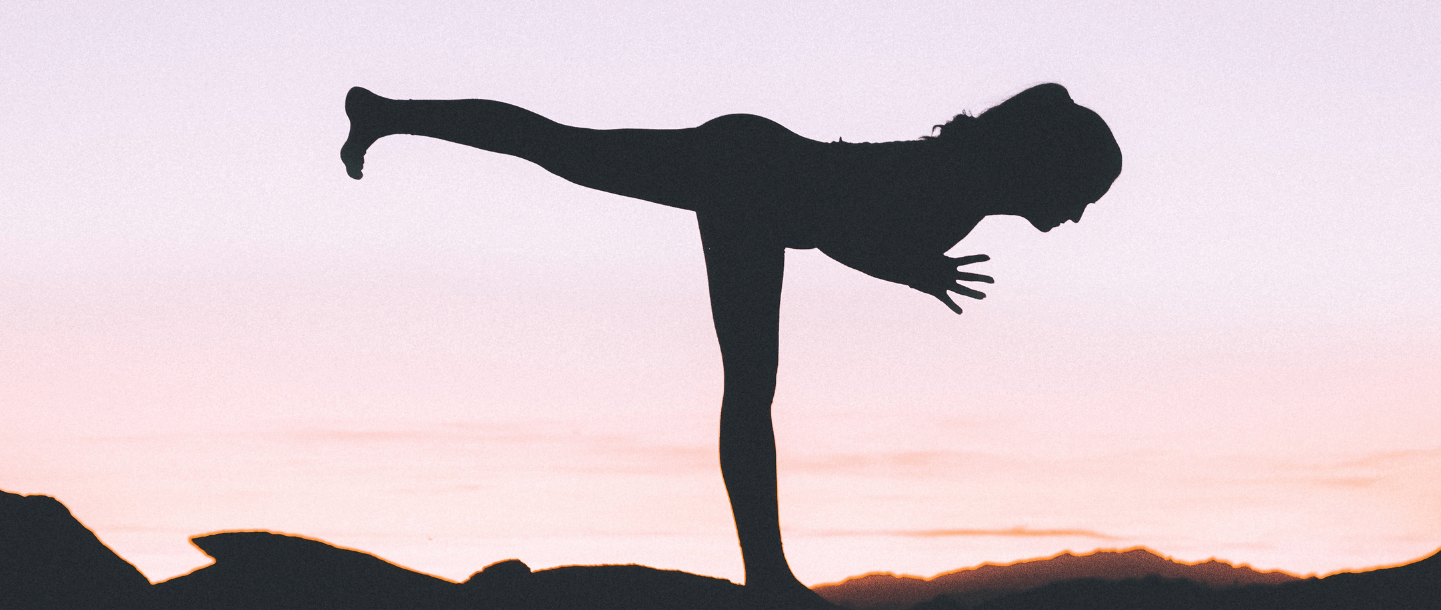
(941, 276)
(935, 274)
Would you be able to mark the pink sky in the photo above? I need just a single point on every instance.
(205, 325)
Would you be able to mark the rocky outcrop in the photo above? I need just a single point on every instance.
(264, 570)
(267, 570)
(48, 560)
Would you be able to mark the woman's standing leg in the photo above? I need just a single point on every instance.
(745, 268)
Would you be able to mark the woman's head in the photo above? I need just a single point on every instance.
(1042, 156)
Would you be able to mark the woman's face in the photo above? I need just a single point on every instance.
(1048, 213)
(1051, 202)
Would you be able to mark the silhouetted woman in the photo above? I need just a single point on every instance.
(890, 210)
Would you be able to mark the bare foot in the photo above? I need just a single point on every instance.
(363, 109)
(793, 596)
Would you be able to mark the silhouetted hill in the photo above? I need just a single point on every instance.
(975, 585)
(49, 560)
(1411, 587)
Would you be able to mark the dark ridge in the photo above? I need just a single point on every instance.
(1411, 587)
(978, 584)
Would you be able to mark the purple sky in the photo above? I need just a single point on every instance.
(205, 325)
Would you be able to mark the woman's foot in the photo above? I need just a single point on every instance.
(790, 596)
(364, 110)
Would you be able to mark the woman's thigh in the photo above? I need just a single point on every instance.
(731, 159)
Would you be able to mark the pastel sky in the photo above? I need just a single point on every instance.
(205, 325)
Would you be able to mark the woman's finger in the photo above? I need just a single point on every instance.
(964, 291)
(945, 297)
(974, 258)
(962, 276)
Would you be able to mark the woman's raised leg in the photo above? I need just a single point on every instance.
(666, 166)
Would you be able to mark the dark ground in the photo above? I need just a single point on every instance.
(49, 560)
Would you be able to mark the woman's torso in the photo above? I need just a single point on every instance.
(812, 192)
